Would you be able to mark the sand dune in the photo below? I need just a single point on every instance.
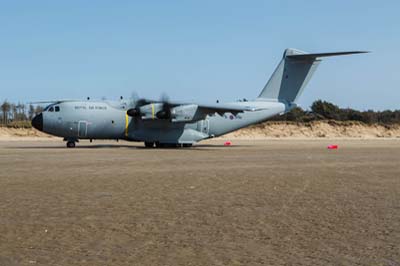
(271, 129)
(22, 133)
(316, 129)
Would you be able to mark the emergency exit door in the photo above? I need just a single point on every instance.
(203, 126)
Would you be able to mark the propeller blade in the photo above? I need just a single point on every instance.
(134, 98)
(165, 112)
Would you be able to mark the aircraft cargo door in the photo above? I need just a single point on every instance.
(82, 129)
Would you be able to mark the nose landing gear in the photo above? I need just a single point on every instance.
(70, 144)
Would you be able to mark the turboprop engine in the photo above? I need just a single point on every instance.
(164, 111)
(148, 111)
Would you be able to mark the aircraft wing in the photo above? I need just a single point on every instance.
(222, 108)
(219, 108)
(54, 101)
(185, 111)
(194, 112)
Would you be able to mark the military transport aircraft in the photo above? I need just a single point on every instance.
(167, 123)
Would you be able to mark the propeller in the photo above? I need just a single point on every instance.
(134, 98)
(136, 101)
(134, 112)
(165, 112)
(135, 104)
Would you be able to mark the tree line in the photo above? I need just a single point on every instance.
(323, 110)
(20, 115)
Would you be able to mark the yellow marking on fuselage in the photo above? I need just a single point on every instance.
(126, 124)
(152, 110)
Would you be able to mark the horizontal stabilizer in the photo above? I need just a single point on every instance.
(312, 56)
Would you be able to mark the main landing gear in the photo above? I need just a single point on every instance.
(166, 145)
(149, 144)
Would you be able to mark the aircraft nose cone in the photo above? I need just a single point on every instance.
(37, 122)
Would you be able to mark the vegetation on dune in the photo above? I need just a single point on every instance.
(18, 115)
(322, 110)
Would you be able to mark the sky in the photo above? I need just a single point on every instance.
(196, 50)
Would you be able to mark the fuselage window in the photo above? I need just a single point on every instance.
(51, 109)
(57, 108)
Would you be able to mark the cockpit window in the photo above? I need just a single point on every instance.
(52, 108)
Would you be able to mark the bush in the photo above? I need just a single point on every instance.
(322, 110)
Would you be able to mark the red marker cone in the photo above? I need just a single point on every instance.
(227, 143)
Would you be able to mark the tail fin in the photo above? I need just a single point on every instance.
(293, 73)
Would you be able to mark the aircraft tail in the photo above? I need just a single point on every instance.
(293, 73)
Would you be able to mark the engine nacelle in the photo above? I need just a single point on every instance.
(148, 111)
(186, 113)
(181, 113)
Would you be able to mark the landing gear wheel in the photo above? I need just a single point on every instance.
(149, 144)
(161, 145)
(70, 144)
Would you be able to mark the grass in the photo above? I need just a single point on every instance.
(18, 124)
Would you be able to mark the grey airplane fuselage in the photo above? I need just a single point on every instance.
(75, 120)
(166, 122)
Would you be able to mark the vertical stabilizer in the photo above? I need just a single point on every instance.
(293, 73)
